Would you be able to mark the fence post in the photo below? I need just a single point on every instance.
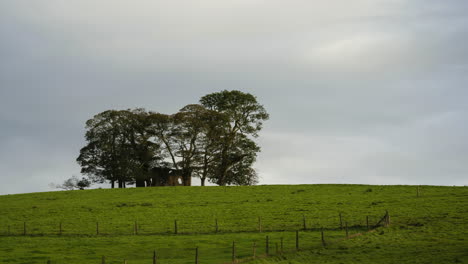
(267, 247)
(367, 222)
(297, 240)
(175, 227)
(346, 226)
(24, 228)
(233, 252)
(304, 225)
(259, 224)
(196, 255)
(254, 249)
(154, 257)
(341, 222)
(323, 238)
(97, 228)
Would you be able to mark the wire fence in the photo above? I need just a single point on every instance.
(105, 227)
(271, 244)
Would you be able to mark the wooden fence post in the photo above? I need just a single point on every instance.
(259, 224)
(233, 252)
(341, 222)
(196, 255)
(175, 227)
(297, 240)
(304, 225)
(346, 226)
(154, 257)
(216, 224)
(267, 246)
(323, 239)
(254, 249)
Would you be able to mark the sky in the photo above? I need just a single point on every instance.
(360, 92)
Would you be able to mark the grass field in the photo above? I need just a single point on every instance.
(431, 228)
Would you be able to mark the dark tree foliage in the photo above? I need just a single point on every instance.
(212, 140)
(245, 118)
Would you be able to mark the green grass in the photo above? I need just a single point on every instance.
(431, 228)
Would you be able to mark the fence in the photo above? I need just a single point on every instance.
(178, 226)
(272, 245)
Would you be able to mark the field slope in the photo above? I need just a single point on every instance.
(82, 226)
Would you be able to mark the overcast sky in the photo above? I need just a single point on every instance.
(362, 91)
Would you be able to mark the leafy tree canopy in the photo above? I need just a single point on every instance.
(213, 140)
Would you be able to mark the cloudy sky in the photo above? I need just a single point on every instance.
(362, 91)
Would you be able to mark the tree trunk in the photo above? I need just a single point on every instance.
(120, 183)
(202, 179)
(112, 184)
(186, 177)
(140, 182)
(223, 176)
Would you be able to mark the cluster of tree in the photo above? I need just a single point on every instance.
(212, 140)
(73, 183)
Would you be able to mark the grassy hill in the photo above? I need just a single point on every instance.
(82, 226)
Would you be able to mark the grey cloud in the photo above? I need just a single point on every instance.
(359, 92)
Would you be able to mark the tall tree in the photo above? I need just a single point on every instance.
(196, 137)
(244, 119)
(104, 156)
(145, 152)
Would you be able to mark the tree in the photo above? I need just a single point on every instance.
(108, 154)
(208, 143)
(145, 152)
(75, 183)
(244, 118)
(196, 132)
(212, 140)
